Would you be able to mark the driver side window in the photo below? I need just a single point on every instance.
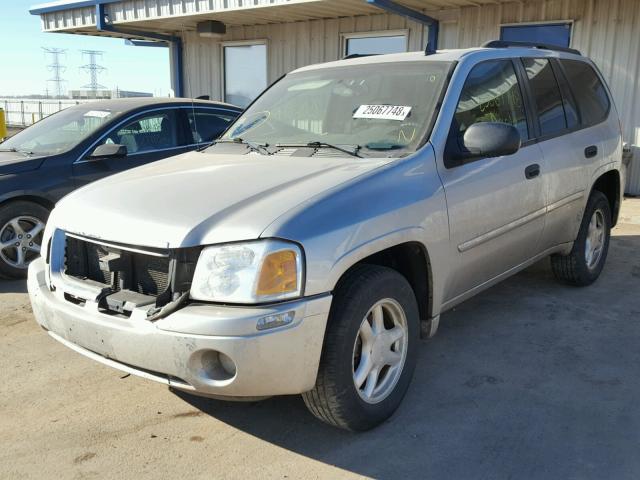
(491, 93)
(147, 133)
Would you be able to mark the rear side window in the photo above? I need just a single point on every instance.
(546, 94)
(589, 92)
(491, 93)
(207, 125)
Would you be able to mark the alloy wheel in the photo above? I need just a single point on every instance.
(380, 351)
(595, 240)
(20, 241)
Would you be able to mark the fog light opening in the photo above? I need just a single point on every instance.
(218, 366)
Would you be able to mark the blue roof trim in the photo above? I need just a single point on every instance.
(61, 6)
(399, 9)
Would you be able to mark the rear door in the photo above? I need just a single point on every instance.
(496, 213)
(149, 136)
(571, 147)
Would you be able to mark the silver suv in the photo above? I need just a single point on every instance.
(353, 203)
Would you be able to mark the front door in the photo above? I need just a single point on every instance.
(148, 136)
(496, 210)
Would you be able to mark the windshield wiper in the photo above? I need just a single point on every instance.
(15, 150)
(383, 146)
(256, 147)
(353, 152)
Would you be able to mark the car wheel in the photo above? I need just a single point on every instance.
(369, 351)
(583, 265)
(21, 229)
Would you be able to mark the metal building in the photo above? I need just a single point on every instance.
(232, 49)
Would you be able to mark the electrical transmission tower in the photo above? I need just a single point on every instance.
(56, 69)
(92, 68)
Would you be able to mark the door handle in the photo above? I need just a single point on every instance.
(591, 151)
(532, 171)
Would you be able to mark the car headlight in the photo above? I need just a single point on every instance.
(248, 272)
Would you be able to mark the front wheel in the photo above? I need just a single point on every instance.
(583, 265)
(21, 229)
(369, 352)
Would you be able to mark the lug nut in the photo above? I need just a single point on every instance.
(31, 244)
(19, 236)
(28, 236)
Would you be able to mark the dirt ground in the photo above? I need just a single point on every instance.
(530, 379)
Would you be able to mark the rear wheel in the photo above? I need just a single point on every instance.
(589, 253)
(369, 352)
(21, 228)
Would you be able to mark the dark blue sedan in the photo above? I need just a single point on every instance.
(41, 164)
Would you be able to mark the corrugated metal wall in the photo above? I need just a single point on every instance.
(289, 46)
(132, 10)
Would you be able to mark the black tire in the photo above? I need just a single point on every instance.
(574, 269)
(335, 398)
(8, 212)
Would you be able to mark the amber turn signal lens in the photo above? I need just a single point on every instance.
(279, 274)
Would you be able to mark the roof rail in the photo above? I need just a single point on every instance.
(359, 55)
(544, 46)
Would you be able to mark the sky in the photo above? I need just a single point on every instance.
(23, 63)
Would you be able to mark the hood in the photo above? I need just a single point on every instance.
(16, 162)
(201, 198)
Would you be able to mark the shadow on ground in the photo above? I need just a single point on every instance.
(13, 286)
(531, 379)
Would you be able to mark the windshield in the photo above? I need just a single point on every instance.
(59, 132)
(375, 107)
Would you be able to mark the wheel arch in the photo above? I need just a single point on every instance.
(609, 184)
(410, 258)
(28, 196)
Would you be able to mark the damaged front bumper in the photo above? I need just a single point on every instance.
(207, 349)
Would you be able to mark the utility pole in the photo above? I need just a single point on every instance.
(93, 69)
(57, 69)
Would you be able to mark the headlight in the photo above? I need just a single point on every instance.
(250, 272)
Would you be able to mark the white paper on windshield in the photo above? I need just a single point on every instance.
(97, 113)
(382, 112)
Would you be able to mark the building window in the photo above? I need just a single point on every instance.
(550, 33)
(373, 43)
(245, 72)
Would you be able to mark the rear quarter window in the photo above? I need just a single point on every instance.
(589, 91)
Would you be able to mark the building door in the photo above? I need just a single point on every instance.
(245, 72)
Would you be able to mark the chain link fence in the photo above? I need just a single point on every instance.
(22, 113)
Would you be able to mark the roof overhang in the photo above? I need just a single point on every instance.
(172, 17)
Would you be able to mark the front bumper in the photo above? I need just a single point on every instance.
(182, 350)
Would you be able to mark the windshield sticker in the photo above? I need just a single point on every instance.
(97, 113)
(382, 112)
(247, 123)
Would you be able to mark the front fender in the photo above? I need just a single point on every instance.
(398, 203)
(368, 248)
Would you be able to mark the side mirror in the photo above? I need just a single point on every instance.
(487, 140)
(108, 150)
